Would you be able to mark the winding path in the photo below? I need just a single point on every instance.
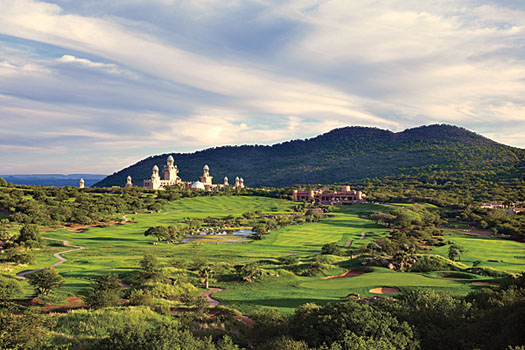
(58, 255)
(211, 301)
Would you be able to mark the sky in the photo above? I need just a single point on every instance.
(93, 86)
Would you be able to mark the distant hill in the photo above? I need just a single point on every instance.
(58, 180)
(341, 155)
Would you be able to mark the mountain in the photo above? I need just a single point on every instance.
(58, 180)
(341, 155)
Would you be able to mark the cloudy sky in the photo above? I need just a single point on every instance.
(93, 86)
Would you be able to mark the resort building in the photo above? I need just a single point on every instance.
(171, 177)
(325, 196)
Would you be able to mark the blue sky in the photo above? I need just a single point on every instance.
(93, 86)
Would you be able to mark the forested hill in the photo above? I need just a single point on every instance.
(341, 155)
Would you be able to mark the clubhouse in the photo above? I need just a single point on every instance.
(325, 196)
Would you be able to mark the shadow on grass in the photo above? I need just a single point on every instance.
(116, 239)
(278, 302)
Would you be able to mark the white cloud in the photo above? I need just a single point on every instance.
(391, 64)
(108, 67)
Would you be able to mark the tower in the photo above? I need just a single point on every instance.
(242, 182)
(226, 184)
(155, 178)
(237, 182)
(129, 184)
(206, 179)
(170, 171)
(81, 183)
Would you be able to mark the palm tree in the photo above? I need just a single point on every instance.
(206, 273)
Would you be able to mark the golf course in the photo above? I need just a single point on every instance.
(119, 247)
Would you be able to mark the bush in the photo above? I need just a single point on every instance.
(141, 297)
(19, 255)
(106, 292)
(332, 248)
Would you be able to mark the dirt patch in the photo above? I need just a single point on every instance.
(346, 274)
(384, 290)
(485, 283)
(79, 228)
(246, 320)
(349, 243)
(70, 303)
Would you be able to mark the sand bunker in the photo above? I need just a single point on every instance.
(485, 283)
(346, 274)
(384, 290)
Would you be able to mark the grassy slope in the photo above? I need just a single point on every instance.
(511, 253)
(120, 248)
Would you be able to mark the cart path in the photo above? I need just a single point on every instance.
(349, 243)
(58, 255)
(211, 301)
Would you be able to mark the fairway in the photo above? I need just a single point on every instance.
(120, 248)
(510, 253)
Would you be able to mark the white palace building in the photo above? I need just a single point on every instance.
(170, 174)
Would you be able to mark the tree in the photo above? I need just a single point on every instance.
(4, 233)
(9, 289)
(158, 231)
(455, 251)
(206, 273)
(169, 234)
(151, 270)
(45, 280)
(19, 255)
(334, 322)
(106, 292)
(30, 235)
(249, 272)
(331, 248)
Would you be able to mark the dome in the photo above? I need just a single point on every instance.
(129, 178)
(226, 178)
(242, 180)
(197, 185)
(237, 178)
(155, 168)
(206, 167)
(170, 158)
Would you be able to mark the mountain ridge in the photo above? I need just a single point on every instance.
(340, 155)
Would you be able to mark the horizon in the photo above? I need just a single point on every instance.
(92, 87)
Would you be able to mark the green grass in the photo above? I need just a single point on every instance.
(511, 253)
(120, 248)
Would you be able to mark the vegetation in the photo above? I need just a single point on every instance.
(44, 281)
(332, 157)
(285, 290)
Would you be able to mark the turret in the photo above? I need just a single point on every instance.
(242, 182)
(81, 183)
(170, 161)
(128, 182)
(226, 184)
(206, 179)
(155, 172)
